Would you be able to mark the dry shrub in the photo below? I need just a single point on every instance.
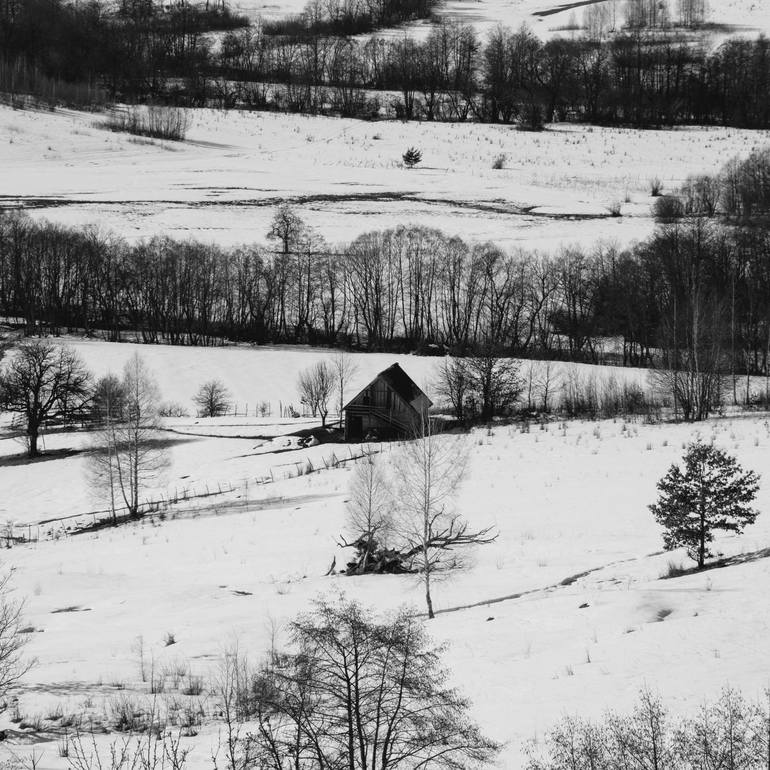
(156, 121)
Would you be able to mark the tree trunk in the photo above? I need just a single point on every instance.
(428, 599)
(135, 474)
(32, 435)
(110, 442)
(702, 545)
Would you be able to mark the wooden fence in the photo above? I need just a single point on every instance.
(163, 504)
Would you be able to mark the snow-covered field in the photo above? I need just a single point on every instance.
(566, 498)
(253, 376)
(345, 177)
(565, 612)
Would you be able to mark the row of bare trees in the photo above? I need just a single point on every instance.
(638, 77)
(697, 293)
(131, 47)
(155, 51)
(343, 18)
(600, 19)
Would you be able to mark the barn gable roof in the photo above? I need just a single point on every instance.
(399, 381)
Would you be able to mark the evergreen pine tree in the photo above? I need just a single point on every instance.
(712, 493)
(411, 157)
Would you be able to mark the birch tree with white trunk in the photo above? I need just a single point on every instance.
(429, 471)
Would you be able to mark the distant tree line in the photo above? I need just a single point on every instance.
(638, 77)
(341, 18)
(131, 49)
(696, 293)
(643, 74)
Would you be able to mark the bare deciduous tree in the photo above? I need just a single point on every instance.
(495, 380)
(430, 469)
(287, 228)
(109, 411)
(345, 369)
(702, 194)
(109, 399)
(358, 692)
(212, 399)
(128, 454)
(694, 324)
(316, 386)
(369, 508)
(453, 383)
(547, 382)
(483, 384)
(692, 12)
(235, 702)
(141, 458)
(13, 665)
(43, 383)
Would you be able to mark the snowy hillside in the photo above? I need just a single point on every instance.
(345, 177)
(568, 601)
(575, 605)
(252, 377)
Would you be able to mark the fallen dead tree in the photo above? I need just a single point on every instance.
(372, 557)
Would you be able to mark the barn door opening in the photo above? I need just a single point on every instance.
(355, 428)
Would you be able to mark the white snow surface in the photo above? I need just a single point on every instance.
(569, 501)
(345, 177)
(253, 376)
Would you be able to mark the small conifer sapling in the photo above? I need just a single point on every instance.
(411, 157)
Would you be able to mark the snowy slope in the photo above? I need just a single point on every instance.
(566, 499)
(247, 451)
(345, 177)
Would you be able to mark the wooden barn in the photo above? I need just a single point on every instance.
(390, 406)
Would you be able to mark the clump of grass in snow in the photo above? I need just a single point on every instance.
(126, 714)
(194, 685)
(674, 569)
